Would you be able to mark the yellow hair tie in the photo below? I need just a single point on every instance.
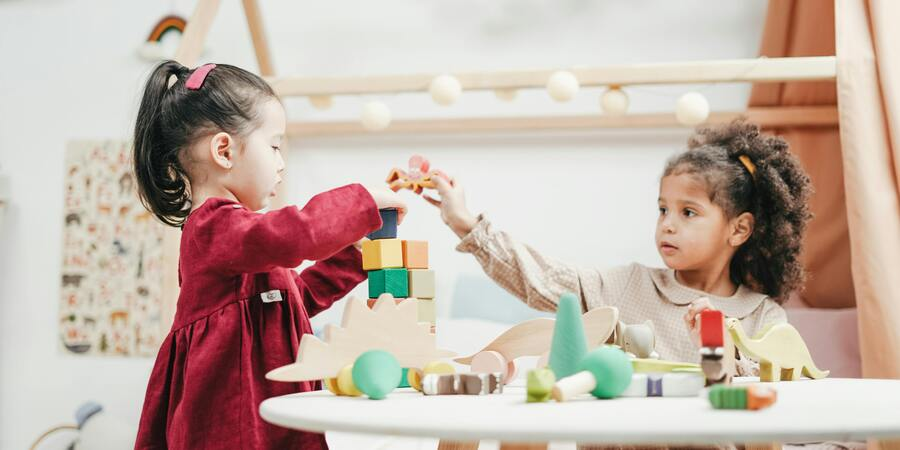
(745, 160)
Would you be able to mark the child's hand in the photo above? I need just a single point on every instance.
(388, 199)
(690, 318)
(453, 206)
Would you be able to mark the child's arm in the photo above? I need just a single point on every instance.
(240, 241)
(329, 280)
(533, 278)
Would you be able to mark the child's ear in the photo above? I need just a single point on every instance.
(741, 229)
(221, 148)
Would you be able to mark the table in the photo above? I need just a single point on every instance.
(806, 410)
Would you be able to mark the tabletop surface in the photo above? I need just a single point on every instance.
(806, 410)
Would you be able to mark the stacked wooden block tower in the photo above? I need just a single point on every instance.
(399, 267)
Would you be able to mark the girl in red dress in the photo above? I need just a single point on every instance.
(206, 157)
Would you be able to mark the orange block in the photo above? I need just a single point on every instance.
(371, 302)
(415, 254)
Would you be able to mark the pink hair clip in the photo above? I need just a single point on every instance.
(195, 81)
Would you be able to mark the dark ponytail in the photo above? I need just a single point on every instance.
(776, 193)
(171, 118)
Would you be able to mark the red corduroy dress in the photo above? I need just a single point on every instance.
(241, 313)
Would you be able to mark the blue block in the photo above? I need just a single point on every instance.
(388, 228)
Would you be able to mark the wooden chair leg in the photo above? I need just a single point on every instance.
(444, 444)
(521, 446)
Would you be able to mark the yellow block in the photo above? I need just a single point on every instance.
(426, 312)
(382, 254)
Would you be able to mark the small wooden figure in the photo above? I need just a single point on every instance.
(382, 254)
(637, 340)
(388, 230)
(780, 351)
(604, 372)
(569, 343)
(418, 177)
(752, 397)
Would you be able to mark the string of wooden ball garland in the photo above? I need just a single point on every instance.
(691, 108)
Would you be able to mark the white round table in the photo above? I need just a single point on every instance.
(806, 411)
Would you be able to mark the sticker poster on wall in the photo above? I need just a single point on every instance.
(112, 256)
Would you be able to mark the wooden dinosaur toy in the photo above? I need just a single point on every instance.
(779, 349)
(389, 326)
(533, 338)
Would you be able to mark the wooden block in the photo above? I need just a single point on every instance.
(388, 228)
(382, 254)
(426, 312)
(388, 281)
(712, 328)
(415, 254)
(421, 283)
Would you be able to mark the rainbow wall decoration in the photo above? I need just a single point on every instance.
(156, 47)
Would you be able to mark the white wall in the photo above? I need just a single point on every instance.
(68, 71)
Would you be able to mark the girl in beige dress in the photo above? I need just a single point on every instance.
(732, 212)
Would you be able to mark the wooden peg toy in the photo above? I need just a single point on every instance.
(752, 397)
(604, 372)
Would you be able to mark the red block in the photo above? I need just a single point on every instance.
(712, 328)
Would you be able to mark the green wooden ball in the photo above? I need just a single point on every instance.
(611, 368)
(376, 373)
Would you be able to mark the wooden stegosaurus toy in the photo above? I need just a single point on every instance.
(389, 326)
(779, 349)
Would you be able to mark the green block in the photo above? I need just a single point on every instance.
(569, 342)
(540, 385)
(728, 397)
(390, 281)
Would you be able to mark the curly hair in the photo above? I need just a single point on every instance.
(776, 194)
